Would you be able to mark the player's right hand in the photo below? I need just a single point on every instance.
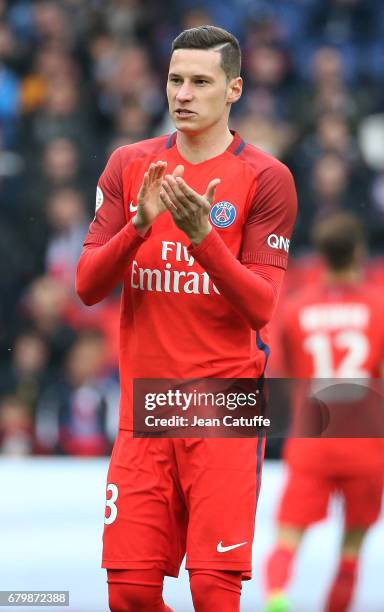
(149, 204)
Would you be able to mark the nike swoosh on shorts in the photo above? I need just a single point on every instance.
(222, 549)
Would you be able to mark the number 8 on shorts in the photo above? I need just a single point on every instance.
(111, 504)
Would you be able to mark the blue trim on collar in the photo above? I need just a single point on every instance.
(170, 141)
(240, 148)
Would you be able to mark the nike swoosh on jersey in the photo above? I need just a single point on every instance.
(132, 207)
(222, 549)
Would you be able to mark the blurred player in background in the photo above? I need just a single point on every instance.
(197, 226)
(331, 330)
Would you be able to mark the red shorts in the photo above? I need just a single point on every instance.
(168, 497)
(306, 496)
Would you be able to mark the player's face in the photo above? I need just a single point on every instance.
(199, 94)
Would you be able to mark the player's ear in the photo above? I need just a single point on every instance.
(235, 88)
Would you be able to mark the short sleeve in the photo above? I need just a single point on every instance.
(269, 226)
(109, 213)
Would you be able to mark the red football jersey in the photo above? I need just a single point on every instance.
(335, 331)
(174, 321)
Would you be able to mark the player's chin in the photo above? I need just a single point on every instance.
(186, 129)
(188, 126)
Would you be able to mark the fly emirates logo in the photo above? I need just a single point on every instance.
(169, 280)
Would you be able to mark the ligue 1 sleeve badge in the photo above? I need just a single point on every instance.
(223, 214)
(99, 198)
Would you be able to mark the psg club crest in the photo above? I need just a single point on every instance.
(223, 214)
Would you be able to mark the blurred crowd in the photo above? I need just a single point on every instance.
(79, 78)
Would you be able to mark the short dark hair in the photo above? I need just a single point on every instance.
(212, 37)
(337, 237)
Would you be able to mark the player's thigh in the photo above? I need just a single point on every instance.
(363, 495)
(145, 519)
(221, 481)
(304, 498)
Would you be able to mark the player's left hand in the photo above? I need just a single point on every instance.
(189, 209)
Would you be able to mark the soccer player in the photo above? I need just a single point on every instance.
(331, 330)
(197, 226)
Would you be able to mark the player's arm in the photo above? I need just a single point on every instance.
(112, 243)
(251, 284)
(284, 336)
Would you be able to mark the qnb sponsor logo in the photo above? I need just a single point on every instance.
(278, 242)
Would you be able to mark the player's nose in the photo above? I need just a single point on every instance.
(184, 93)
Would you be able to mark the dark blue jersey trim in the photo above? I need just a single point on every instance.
(240, 148)
(170, 141)
(263, 347)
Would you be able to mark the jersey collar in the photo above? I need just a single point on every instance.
(236, 146)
